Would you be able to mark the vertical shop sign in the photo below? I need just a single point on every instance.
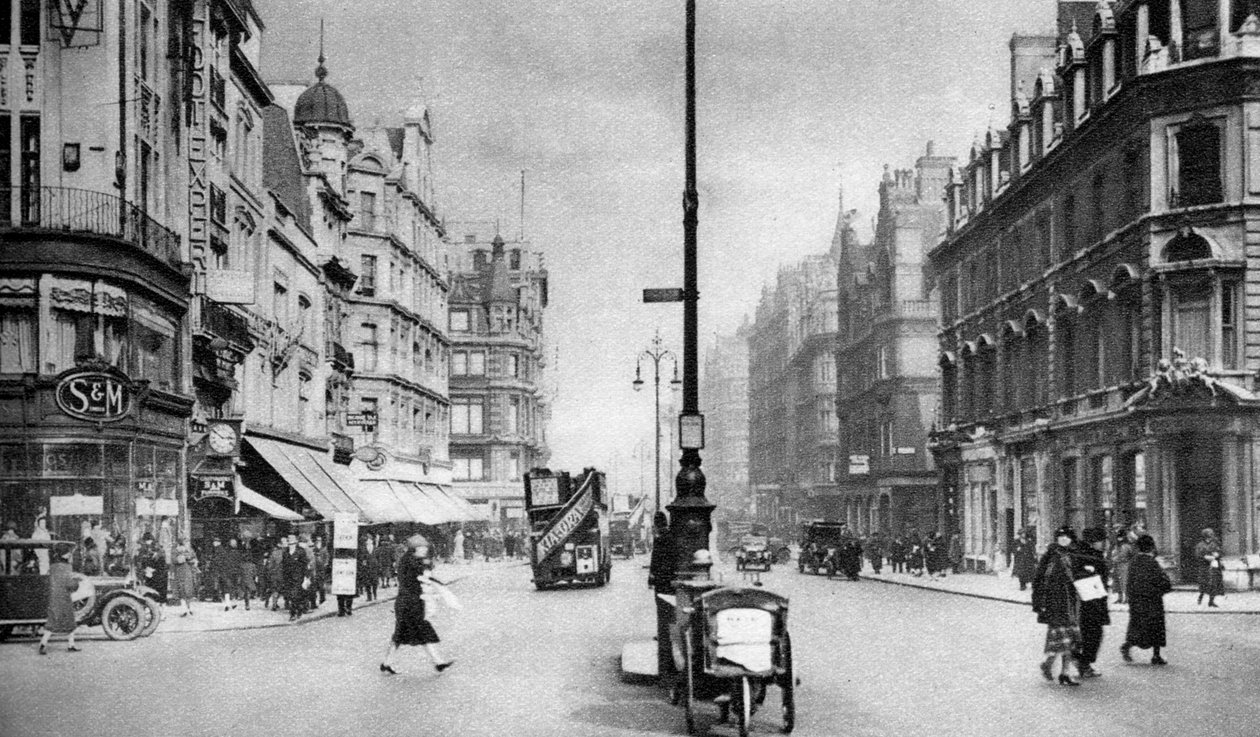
(198, 184)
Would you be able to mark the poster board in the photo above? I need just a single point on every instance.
(344, 571)
(345, 531)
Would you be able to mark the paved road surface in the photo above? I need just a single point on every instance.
(874, 659)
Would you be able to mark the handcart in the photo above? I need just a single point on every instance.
(731, 643)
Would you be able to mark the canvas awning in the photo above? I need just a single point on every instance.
(455, 507)
(311, 476)
(246, 495)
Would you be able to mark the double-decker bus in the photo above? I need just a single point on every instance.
(569, 527)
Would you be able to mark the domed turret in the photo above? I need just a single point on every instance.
(321, 103)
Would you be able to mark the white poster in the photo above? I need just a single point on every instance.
(344, 571)
(345, 531)
(75, 504)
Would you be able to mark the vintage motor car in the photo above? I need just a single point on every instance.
(820, 547)
(124, 609)
(753, 554)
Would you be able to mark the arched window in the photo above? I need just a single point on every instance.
(1037, 360)
(1065, 345)
(1090, 346)
(1122, 331)
(1012, 366)
(949, 387)
(1187, 246)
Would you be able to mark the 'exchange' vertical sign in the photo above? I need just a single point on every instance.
(198, 182)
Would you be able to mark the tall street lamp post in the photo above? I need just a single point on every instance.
(690, 511)
(656, 353)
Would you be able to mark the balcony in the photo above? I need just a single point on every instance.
(341, 359)
(217, 321)
(85, 212)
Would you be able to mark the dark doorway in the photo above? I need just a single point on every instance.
(1199, 504)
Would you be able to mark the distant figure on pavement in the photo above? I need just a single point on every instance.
(248, 573)
(385, 559)
(875, 551)
(62, 582)
(1147, 585)
(956, 552)
(1024, 555)
(1122, 553)
(367, 578)
(1211, 577)
(410, 625)
(227, 571)
(1094, 614)
(184, 575)
(1057, 605)
(151, 566)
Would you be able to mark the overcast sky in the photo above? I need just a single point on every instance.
(795, 98)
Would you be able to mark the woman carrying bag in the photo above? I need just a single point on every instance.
(1147, 585)
(410, 625)
(1057, 604)
(1211, 576)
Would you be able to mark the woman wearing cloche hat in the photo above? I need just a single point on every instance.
(410, 625)
(1057, 605)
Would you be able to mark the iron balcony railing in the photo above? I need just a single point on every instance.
(217, 319)
(68, 210)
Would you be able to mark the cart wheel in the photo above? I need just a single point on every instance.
(745, 706)
(123, 618)
(787, 682)
(689, 698)
(153, 617)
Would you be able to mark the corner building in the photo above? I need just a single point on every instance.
(94, 279)
(1100, 288)
(499, 413)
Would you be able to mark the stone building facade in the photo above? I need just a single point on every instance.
(885, 358)
(499, 414)
(724, 404)
(793, 435)
(1097, 283)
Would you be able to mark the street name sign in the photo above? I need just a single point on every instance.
(663, 295)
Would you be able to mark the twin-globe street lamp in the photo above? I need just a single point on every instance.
(656, 353)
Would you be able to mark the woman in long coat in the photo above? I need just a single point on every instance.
(1147, 585)
(62, 581)
(1211, 578)
(1057, 606)
(410, 625)
(184, 576)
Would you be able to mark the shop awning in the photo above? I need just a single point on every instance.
(310, 475)
(458, 509)
(246, 495)
(423, 510)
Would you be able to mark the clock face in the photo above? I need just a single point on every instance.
(222, 438)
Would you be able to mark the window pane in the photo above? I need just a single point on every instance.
(1191, 329)
(18, 340)
(477, 364)
(1199, 180)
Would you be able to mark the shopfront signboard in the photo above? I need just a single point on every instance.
(211, 486)
(157, 507)
(95, 396)
(75, 504)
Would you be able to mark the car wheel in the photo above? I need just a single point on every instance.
(123, 618)
(153, 617)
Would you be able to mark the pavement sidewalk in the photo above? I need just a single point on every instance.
(1002, 587)
(211, 617)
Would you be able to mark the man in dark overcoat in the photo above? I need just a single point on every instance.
(1094, 615)
(661, 571)
(293, 568)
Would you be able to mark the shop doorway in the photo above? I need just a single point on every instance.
(1199, 503)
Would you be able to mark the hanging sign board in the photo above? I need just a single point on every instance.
(345, 531)
(859, 465)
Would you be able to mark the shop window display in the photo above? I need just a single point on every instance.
(112, 492)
